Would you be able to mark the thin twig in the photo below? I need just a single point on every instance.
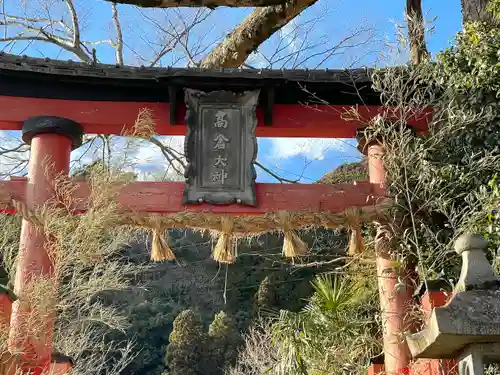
(276, 176)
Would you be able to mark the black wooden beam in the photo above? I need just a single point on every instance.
(172, 101)
(269, 104)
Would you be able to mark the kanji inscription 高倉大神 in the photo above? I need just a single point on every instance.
(220, 147)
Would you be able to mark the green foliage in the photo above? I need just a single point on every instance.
(224, 342)
(346, 173)
(151, 315)
(335, 331)
(494, 7)
(469, 74)
(186, 345)
(280, 290)
(493, 229)
(163, 290)
(438, 180)
(192, 351)
(259, 267)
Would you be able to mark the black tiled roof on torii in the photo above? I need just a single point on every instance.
(45, 78)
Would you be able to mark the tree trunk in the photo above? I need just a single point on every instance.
(199, 3)
(416, 31)
(260, 25)
(476, 10)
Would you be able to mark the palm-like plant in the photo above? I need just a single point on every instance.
(334, 331)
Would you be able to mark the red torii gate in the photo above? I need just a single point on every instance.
(55, 103)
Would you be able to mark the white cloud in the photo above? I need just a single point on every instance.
(257, 61)
(290, 35)
(149, 159)
(312, 149)
(134, 155)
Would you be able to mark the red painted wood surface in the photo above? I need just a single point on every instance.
(433, 299)
(394, 300)
(5, 310)
(376, 369)
(167, 197)
(50, 156)
(320, 121)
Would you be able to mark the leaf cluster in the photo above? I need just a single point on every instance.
(333, 333)
(191, 350)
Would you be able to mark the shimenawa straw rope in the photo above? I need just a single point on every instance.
(356, 243)
(225, 249)
(160, 250)
(293, 246)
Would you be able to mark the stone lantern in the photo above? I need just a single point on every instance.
(467, 328)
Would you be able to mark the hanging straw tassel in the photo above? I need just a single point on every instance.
(160, 250)
(356, 243)
(293, 246)
(225, 249)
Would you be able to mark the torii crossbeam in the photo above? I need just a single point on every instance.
(167, 197)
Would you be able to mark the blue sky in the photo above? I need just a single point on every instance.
(308, 39)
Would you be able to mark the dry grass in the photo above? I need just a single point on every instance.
(258, 355)
(293, 246)
(85, 252)
(225, 250)
(160, 250)
(144, 126)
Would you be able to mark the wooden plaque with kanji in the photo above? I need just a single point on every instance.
(220, 147)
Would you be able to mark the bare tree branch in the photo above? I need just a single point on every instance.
(14, 159)
(200, 3)
(167, 151)
(119, 35)
(39, 33)
(276, 176)
(171, 35)
(252, 32)
(56, 31)
(39, 20)
(74, 21)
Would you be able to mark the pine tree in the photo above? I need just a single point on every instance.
(185, 351)
(224, 342)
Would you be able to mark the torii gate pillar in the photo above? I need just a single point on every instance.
(51, 139)
(395, 299)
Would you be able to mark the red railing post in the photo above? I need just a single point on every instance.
(395, 299)
(7, 361)
(6, 300)
(51, 139)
